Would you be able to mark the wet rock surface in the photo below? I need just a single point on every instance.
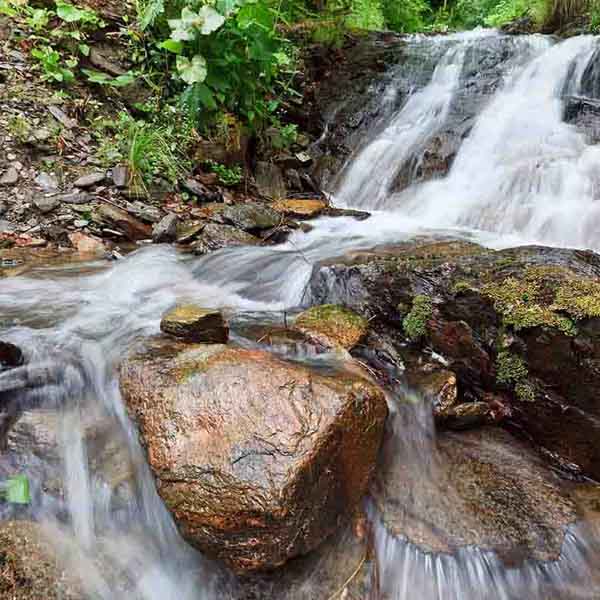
(259, 460)
(332, 326)
(481, 488)
(517, 327)
(28, 567)
(196, 324)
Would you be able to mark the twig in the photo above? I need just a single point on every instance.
(349, 580)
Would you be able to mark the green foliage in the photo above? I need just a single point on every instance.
(152, 148)
(510, 369)
(407, 16)
(228, 176)
(415, 322)
(54, 67)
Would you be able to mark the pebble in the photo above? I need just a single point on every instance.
(90, 180)
(10, 177)
(75, 197)
(81, 223)
(47, 182)
(46, 204)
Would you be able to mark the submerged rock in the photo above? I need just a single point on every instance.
(258, 459)
(196, 324)
(332, 325)
(522, 324)
(480, 488)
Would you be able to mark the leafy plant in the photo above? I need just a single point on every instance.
(53, 65)
(228, 176)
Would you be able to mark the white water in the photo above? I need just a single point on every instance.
(522, 172)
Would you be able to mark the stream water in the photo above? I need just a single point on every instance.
(521, 174)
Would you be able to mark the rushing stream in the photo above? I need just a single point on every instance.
(522, 173)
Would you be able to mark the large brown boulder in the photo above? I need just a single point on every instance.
(520, 328)
(258, 459)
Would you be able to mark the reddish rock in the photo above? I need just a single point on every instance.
(259, 460)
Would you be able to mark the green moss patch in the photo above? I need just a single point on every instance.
(415, 322)
(545, 296)
(511, 371)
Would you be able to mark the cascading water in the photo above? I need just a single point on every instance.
(522, 170)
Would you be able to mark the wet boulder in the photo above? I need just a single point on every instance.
(252, 216)
(258, 459)
(196, 324)
(520, 328)
(481, 488)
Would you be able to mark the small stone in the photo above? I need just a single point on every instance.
(85, 244)
(304, 159)
(6, 226)
(165, 231)
(90, 180)
(11, 156)
(46, 204)
(17, 165)
(187, 232)
(216, 236)
(75, 197)
(120, 176)
(3, 208)
(196, 324)
(80, 223)
(10, 177)
(47, 182)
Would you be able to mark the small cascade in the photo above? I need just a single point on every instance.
(523, 170)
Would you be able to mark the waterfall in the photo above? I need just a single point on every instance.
(521, 170)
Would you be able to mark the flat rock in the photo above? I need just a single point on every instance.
(252, 216)
(90, 180)
(196, 324)
(75, 197)
(46, 204)
(332, 325)
(215, 236)
(259, 460)
(121, 220)
(301, 208)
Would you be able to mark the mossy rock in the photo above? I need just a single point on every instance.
(196, 324)
(333, 325)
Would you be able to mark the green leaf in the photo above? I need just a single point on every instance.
(206, 96)
(152, 10)
(84, 49)
(192, 71)
(172, 46)
(17, 490)
(68, 13)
